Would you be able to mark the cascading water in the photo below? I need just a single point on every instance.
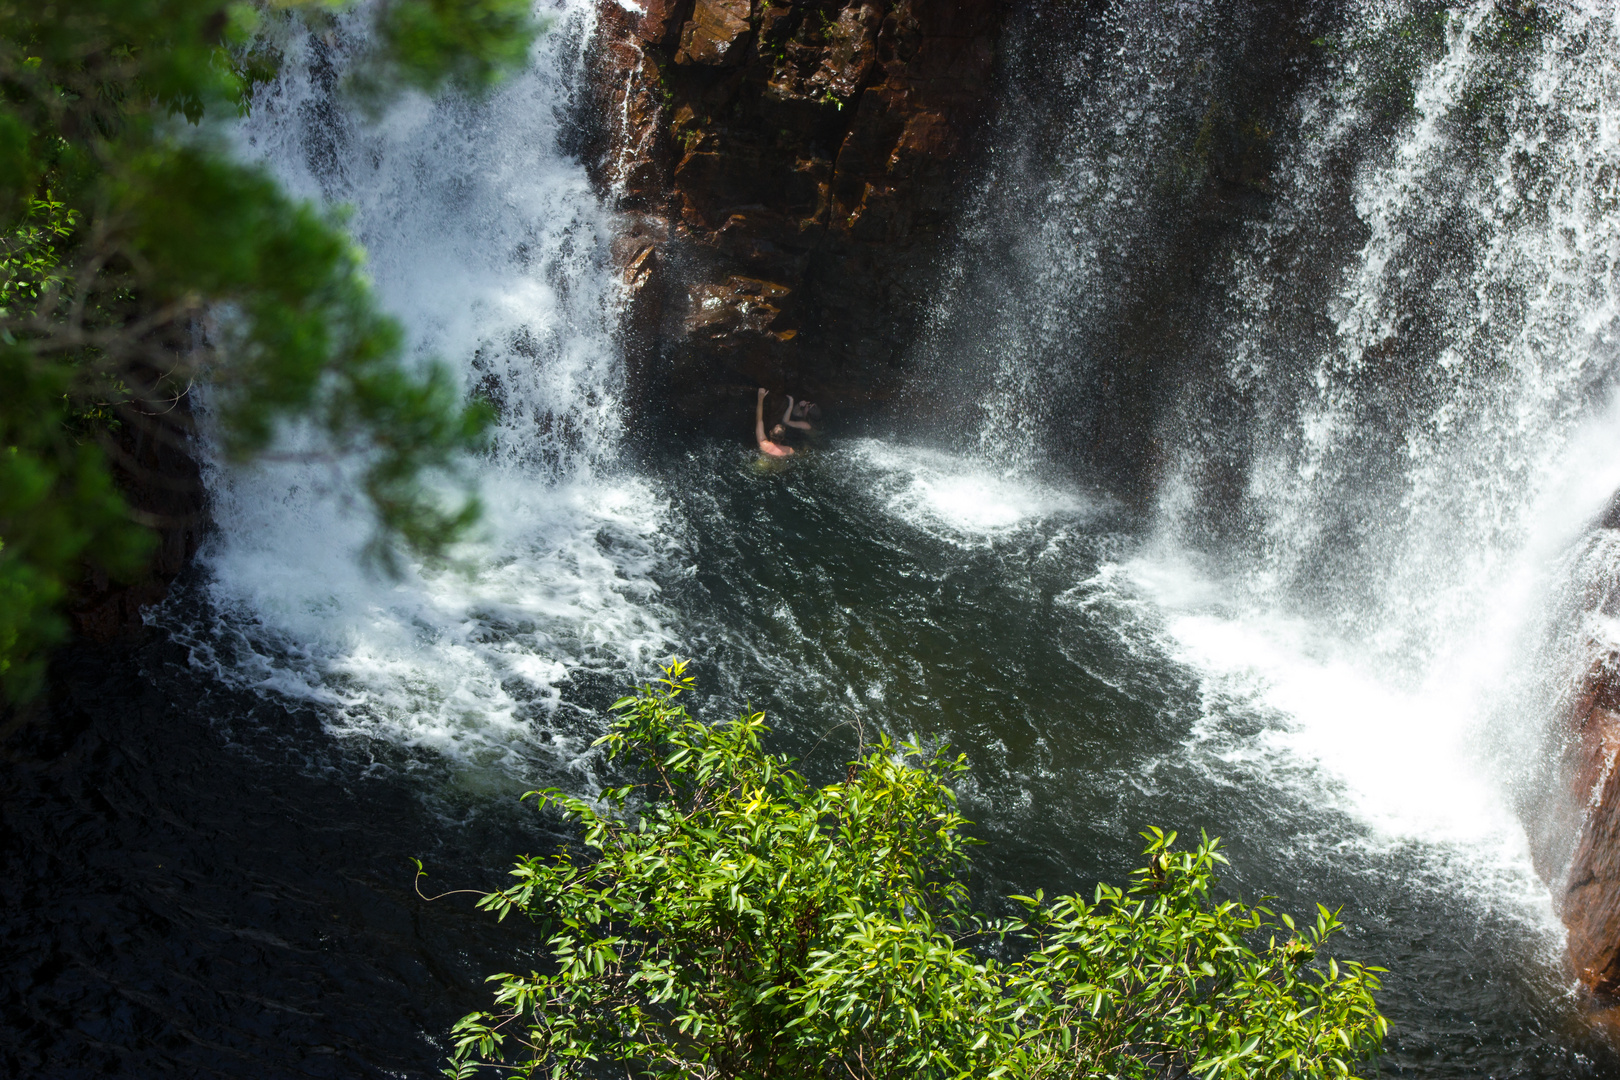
(1072, 200)
(1420, 463)
(1282, 377)
(1370, 456)
(1464, 352)
(1398, 415)
(1423, 458)
(484, 237)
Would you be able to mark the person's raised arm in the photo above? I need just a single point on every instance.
(765, 445)
(787, 417)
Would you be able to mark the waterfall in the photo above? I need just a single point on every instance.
(483, 236)
(1330, 303)
(1251, 476)
(1428, 443)
(1068, 202)
(1445, 413)
(1369, 426)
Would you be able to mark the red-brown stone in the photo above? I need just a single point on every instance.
(736, 311)
(1589, 900)
(1575, 827)
(814, 145)
(851, 52)
(658, 23)
(716, 32)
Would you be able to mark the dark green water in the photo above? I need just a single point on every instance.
(830, 593)
(201, 880)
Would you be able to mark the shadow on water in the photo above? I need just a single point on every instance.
(197, 883)
(200, 882)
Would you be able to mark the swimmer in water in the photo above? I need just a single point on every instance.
(795, 415)
(767, 447)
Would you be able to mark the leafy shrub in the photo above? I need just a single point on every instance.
(729, 919)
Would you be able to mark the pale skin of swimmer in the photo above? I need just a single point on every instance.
(765, 445)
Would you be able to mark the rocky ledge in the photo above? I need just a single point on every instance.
(787, 170)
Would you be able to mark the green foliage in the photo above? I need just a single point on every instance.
(137, 255)
(468, 42)
(1161, 979)
(729, 919)
(30, 255)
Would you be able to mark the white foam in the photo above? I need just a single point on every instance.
(1408, 761)
(483, 237)
(462, 659)
(1325, 723)
(1407, 687)
(962, 498)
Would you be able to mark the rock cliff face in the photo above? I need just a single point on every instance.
(787, 169)
(1590, 904)
(1575, 832)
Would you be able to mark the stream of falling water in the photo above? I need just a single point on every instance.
(1426, 458)
(1410, 359)
(484, 237)
(1325, 657)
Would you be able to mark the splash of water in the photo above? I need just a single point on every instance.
(1368, 493)
(484, 238)
(1448, 438)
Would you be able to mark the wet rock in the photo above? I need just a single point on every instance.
(636, 250)
(810, 151)
(658, 22)
(152, 463)
(736, 312)
(850, 53)
(1575, 827)
(631, 151)
(716, 33)
(1590, 905)
(735, 336)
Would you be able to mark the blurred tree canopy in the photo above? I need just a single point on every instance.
(137, 255)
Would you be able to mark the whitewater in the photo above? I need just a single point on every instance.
(1353, 674)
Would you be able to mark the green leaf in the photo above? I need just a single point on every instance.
(748, 917)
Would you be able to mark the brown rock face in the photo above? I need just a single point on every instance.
(787, 169)
(716, 33)
(1591, 900)
(1575, 833)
